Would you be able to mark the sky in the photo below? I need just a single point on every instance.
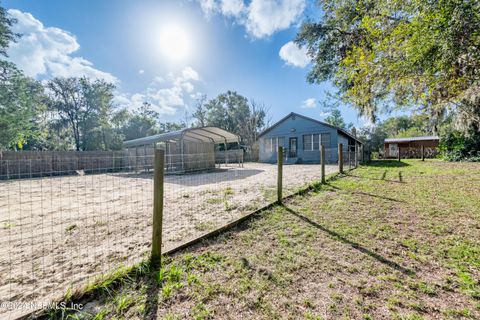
(169, 53)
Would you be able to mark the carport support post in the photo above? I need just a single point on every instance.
(399, 155)
(340, 158)
(157, 207)
(279, 174)
(322, 161)
(423, 152)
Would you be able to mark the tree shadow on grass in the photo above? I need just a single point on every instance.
(383, 178)
(387, 164)
(354, 245)
(366, 194)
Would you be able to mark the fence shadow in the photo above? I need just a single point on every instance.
(197, 178)
(215, 176)
(353, 244)
(151, 297)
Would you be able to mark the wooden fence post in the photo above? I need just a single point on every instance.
(423, 152)
(340, 158)
(157, 207)
(322, 161)
(279, 174)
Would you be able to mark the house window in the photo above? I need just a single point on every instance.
(316, 139)
(307, 142)
(311, 142)
(268, 144)
(276, 142)
(326, 140)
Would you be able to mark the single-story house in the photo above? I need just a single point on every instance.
(411, 147)
(190, 149)
(301, 137)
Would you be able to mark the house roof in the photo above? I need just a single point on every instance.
(340, 130)
(425, 138)
(202, 134)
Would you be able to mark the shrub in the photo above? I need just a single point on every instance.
(455, 146)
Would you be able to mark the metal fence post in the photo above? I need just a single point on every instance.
(349, 157)
(322, 161)
(157, 207)
(340, 158)
(355, 155)
(279, 174)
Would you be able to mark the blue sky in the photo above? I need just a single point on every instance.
(170, 52)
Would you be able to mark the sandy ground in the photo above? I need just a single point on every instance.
(61, 232)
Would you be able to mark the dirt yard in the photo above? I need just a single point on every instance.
(62, 231)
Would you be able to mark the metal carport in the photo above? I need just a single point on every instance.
(189, 149)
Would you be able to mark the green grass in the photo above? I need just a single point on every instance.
(389, 240)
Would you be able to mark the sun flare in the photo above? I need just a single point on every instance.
(174, 42)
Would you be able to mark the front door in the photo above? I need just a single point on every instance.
(292, 148)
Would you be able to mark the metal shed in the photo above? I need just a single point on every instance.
(186, 150)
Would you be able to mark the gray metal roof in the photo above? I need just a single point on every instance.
(203, 134)
(339, 130)
(425, 138)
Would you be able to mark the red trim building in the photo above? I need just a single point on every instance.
(411, 147)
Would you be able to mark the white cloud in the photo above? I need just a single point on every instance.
(158, 79)
(293, 55)
(166, 97)
(265, 17)
(141, 71)
(47, 51)
(189, 74)
(261, 18)
(309, 103)
(232, 7)
(209, 7)
(324, 114)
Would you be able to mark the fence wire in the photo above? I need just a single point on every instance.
(63, 225)
(299, 175)
(61, 228)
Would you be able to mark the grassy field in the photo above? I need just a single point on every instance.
(386, 241)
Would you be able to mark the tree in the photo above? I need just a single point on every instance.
(21, 103)
(385, 54)
(141, 123)
(200, 113)
(233, 112)
(7, 36)
(84, 106)
(335, 119)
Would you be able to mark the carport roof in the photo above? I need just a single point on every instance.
(201, 134)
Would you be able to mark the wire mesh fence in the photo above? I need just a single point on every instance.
(65, 226)
(298, 176)
(61, 228)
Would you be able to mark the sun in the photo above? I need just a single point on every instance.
(174, 42)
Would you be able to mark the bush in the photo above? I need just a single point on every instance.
(455, 146)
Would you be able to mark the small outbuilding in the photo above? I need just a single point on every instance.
(190, 149)
(411, 147)
(301, 138)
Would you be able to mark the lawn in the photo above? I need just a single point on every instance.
(385, 241)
